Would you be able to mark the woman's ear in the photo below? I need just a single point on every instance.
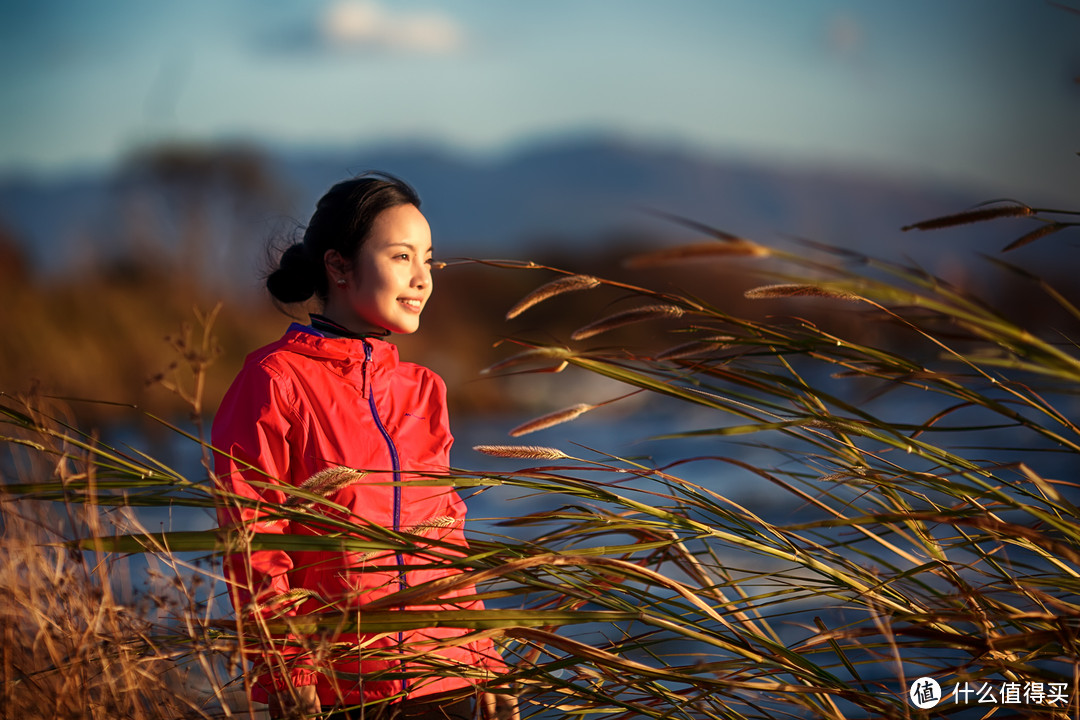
(337, 270)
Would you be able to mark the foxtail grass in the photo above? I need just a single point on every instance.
(917, 449)
(558, 286)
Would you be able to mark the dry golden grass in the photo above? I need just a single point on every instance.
(73, 645)
(977, 558)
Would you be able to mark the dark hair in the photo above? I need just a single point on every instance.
(342, 221)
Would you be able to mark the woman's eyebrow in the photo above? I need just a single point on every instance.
(408, 245)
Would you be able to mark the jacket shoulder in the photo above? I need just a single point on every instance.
(422, 374)
(270, 365)
(267, 375)
(419, 370)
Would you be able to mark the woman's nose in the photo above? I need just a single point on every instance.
(422, 275)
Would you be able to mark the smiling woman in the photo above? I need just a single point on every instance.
(389, 283)
(331, 412)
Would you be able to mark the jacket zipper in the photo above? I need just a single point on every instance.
(396, 466)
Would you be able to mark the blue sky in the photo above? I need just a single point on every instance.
(975, 91)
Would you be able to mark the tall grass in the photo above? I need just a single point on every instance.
(919, 443)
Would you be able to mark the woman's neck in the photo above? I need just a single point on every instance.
(328, 324)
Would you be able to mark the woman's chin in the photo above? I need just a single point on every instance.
(403, 328)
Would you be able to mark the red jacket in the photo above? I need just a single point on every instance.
(307, 403)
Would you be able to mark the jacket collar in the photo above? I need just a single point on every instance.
(308, 341)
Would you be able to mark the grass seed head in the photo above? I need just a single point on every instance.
(694, 349)
(293, 595)
(559, 286)
(528, 356)
(972, 216)
(524, 452)
(327, 482)
(768, 292)
(443, 521)
(695, 253)
(627, 317)
(551, 419)
(1036, 234)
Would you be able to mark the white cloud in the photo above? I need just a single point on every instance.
(365, 24)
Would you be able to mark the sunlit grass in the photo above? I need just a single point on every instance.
(924, 441)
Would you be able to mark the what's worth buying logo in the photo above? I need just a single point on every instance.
(925, 693)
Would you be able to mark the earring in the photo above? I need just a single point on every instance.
(341, 282)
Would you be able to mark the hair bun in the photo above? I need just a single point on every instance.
(295, 278)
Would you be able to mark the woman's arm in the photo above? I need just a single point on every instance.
(252, 432)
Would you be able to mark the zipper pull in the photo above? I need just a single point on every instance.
(365, 369)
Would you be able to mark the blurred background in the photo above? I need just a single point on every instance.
(153, 156)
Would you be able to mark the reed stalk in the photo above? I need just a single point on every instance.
(923, 522)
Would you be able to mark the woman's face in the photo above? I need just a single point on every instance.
(389, 282)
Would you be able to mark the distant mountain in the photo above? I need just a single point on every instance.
(575, 190)
(567, 193)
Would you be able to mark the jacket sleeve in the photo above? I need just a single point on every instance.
(441, 425)
(253, 432)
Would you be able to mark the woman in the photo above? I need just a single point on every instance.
(330, 408)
